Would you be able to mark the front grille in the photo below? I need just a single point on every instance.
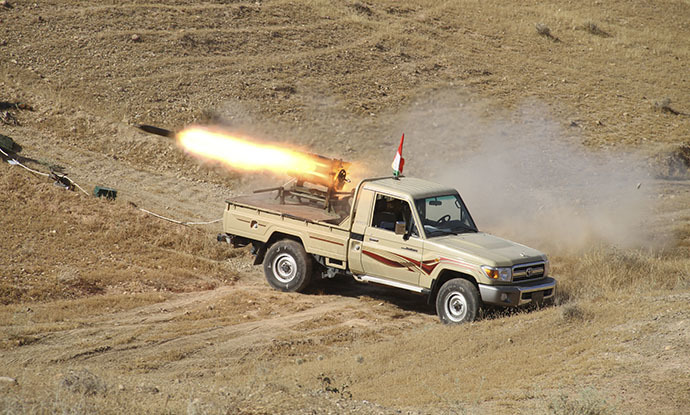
(531, 271)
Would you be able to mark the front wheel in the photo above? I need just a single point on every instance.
(287, 266)
(457, 302)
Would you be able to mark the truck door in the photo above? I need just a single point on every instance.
(385, 254)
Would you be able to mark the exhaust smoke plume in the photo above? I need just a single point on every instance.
(524, 179)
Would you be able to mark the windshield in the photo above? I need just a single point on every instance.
(443, 215)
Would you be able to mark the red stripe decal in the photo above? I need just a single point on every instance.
(383, 260)
(426, 267)
(455, 261)
(326, 240)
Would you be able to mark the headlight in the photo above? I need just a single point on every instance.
(501, 274)
(547, 267)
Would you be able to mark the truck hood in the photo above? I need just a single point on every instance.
(489, 249)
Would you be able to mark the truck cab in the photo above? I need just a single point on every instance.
(418, 235)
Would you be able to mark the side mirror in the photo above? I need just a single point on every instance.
(400, 227)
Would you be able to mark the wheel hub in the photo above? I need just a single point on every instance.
(456, 307)
(284, 268)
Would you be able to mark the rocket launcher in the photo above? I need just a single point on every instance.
(321, 184)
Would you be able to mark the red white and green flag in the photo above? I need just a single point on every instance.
(399, 161)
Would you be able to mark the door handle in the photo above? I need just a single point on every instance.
(407, 248)
(373, 240)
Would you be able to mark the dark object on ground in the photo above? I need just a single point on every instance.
(8, 118)
(665, 106)
(544, 30)
(8, 145)
(5, 105)
(62, 180)
(594, 29)
(107, 192)
(84, 383)
(674, 164)
(679, 162)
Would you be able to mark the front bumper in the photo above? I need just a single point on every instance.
(514, 295)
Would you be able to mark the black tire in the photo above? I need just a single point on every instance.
(457, 302)
(287, 266)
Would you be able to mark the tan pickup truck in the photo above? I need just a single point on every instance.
(401, 232)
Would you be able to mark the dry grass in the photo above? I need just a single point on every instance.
(465, 366)
(260, 397)
(593, 28)
(32, 322)
(83, 382)
(553, 352)
(83, 246)
(607, 272)
(572, 312)
(545, 31)
(587, 402)
(490, 37)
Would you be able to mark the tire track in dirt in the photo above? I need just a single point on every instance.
(164, 334)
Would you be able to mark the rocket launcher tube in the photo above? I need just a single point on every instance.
(328, 172)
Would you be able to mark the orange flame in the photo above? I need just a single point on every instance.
(240, 153)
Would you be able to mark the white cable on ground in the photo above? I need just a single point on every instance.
(79, 187)
(204, 223)
(16, 163)
(178, 221)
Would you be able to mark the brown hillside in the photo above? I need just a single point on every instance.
(565, 125)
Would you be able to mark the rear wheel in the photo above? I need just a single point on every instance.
(457, 302)
(287, 266)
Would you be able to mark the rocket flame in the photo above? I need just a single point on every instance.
(242, 154)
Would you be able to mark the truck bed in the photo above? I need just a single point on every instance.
(258, 217)
(292, 208)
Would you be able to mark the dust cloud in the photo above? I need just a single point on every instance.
(527, 178)
(523, 174)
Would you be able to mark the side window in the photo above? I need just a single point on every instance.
(389, 210)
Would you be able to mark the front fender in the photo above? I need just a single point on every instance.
(450, 267)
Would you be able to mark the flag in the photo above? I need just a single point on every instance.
(399, 161)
